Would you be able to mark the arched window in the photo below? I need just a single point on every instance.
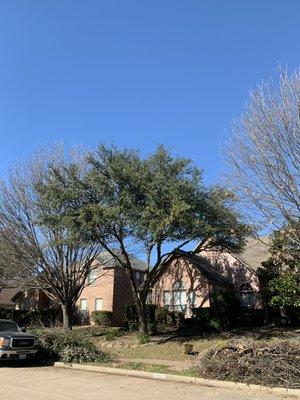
(247, 295)
(178, 285)
(179, 296)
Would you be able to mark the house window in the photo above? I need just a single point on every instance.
(92, 276)
(98, 304)
(192, 298)
(83, 305)
(138, 276)
(166, 298)
(179, 300)
(247, 295)
(179, 297)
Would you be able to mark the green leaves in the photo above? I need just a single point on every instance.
(159, 198)
(285, 291)
(280, 275)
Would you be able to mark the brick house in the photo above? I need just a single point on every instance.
(108, 288)
(24, 298)
(187, 279)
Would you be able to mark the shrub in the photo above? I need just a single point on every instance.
(143, 338)
(215, 324)
(226, 307)
(47, 317)
(131, 317)
(177, 318)
(163, 317)
(102, 318)
(112, 333)
(152, 327)
(132, 326)
(68, 347)
(130, 314)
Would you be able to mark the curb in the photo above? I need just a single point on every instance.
(180, 379)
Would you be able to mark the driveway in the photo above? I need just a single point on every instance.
(49, 383)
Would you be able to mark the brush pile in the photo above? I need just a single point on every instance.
(255, 362)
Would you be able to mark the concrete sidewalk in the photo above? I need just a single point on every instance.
(48, 383)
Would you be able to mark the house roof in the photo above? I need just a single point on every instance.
(7, 295)
(201, 264)
(106, 259)
(206, 268)
(255, 252)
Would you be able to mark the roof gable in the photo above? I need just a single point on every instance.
(255, 252)
(202, 265)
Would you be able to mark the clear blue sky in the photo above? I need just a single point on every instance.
(137, 73)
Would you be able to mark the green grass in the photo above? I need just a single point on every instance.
(172, 350)
(155, 368)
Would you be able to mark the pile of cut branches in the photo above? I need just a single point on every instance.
(262, 363)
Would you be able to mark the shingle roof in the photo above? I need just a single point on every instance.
(202, 265)
(255, 252)
(205, 268)
(107, 260)
(6, 296)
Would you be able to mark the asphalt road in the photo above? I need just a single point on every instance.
(49, 383)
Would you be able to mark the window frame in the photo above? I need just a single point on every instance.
(91, 282)
(86, 303)
(247, 295)
(95, 304)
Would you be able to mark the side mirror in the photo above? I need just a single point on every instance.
(22, 329)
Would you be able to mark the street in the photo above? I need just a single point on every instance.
(43, 383)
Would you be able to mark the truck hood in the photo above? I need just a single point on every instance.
(21, 335)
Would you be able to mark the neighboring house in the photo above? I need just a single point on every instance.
(109, 289)
(187, 279)
(21, 298)
(6, 296)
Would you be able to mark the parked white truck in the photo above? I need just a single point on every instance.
(15, 344)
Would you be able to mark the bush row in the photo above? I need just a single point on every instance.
(158, 317)
(102, 318)
(68, 346)
(46, 317)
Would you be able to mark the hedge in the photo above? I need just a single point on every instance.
(46, 317)
(102, 318)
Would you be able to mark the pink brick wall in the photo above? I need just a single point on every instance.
(229, 267)
(182, 270)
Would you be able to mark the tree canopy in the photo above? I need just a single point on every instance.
(135, 205)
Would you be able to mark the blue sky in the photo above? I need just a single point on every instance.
(137, 73)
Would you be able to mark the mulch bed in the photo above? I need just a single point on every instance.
(262, 363)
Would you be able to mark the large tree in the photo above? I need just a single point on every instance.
(148, 207)
(34, 234)
(264, 154)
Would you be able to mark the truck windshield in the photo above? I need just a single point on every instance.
(10, 326)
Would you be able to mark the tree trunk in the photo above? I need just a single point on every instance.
(141, 308)
(67, 311)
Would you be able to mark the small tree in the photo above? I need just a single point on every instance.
(280, 274)
(34, 232)
(148, 207)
